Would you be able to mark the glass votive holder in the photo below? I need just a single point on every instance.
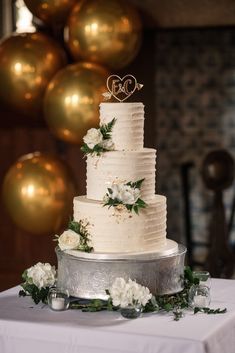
(204, 278)
(58, 299)
(131, 311)
(199, 296)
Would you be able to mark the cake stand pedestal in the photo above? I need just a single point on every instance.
(88, 275)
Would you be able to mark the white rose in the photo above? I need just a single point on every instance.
(69, 240)
(129, 195)
(108, 144)
(42, 275)
(93, 137)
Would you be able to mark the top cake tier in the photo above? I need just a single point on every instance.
(128, 130)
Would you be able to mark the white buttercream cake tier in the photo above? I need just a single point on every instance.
(121, 167)
(114, 231)
(128, 130)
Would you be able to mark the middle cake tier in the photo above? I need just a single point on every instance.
(121, 167)
(115, 230)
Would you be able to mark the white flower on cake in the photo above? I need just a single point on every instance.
(99, 140)
(76, 237)
(93, 137)
(69, 240)
(125, 194)
(107, 145)
(41, 275)
(128, 293)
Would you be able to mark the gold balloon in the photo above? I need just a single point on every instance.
(72, 99)
(38, 191)
(50, 11)
(27, 63)
(104, 31)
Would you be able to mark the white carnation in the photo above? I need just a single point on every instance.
(117, 290)
(93, 137)
(42, 275)
(128, 293)
(69, 240)
(140, 293)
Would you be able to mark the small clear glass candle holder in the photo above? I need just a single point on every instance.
(131, 311)
(203, 277)
(58, 299)
(199, 296)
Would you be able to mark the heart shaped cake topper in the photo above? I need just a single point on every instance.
(121, 88)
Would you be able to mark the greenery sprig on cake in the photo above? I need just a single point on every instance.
(97, 141)
(76, 237)
(126, 195)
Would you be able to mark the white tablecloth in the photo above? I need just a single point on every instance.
(29, 328)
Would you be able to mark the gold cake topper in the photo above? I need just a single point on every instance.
(121, 88)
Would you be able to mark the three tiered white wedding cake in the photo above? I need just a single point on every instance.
(119, 227)
(115, 229)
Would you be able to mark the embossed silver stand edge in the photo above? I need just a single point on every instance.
(89, 278)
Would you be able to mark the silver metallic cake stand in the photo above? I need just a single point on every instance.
(89, 275)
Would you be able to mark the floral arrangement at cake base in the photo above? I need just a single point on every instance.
(128, 297)
(37, 281)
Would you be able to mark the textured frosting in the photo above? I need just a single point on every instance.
(128, 131)
(114, 231)
(121, 166)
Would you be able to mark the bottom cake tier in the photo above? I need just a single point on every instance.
(89, 275)
(113, 230)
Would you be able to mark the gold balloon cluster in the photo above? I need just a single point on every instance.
(38, 191)
(107, 32)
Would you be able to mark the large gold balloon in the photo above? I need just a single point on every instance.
(51, 12)
(38, 191)
(104, 31)
(71, 104)
(27, 63)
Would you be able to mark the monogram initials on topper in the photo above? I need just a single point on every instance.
(121, 88)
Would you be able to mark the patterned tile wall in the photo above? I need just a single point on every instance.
(195, 111)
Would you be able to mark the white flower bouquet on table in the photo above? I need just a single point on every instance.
(37, 281)
(99, 140)
(130, 293)
(126, 195)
